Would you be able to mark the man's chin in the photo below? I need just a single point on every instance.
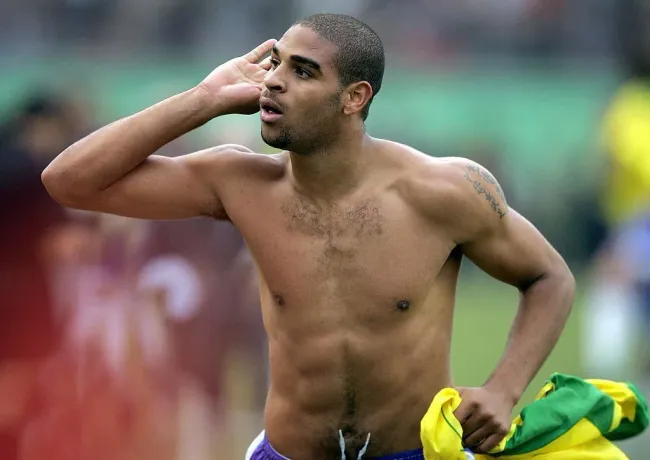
(275, 141)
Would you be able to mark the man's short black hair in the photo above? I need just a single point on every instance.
(360, 55)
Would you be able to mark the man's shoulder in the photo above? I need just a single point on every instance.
(432, 171)
(242, 161)
(437, 178)
(454, 188)
(242, 153)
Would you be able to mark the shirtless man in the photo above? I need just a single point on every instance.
(358, 242)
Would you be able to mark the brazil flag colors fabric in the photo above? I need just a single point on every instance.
(570, 419)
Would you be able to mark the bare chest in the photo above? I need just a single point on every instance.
(335, 239)
(374, 248)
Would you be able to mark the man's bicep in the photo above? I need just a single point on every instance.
(515, 252)
(168, 188)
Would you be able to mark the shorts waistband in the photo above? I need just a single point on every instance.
(415, 454)
(271, 452)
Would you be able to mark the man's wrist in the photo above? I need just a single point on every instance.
(211, 104)
(508, 387)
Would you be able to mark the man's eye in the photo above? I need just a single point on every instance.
(302, 73)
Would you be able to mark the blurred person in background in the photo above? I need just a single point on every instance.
(619, 306)
(104, 392)
(31, 137)
(201, 274)
(358, 242)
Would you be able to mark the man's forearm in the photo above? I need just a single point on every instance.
(543, 311)
(105, 156)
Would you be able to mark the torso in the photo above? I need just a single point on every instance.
(357, 300)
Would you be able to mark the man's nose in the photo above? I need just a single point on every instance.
(274, 81)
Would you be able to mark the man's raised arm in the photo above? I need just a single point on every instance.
(114, 170)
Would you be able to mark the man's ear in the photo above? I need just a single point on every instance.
(357, 96)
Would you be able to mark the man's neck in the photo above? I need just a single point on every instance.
(334, 171)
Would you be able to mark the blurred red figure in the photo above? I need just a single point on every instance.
(32, 136)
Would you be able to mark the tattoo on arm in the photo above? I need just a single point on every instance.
(474, 176)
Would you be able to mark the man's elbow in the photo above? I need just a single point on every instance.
(62, 188)
(562, 281)
(54, 182)
(556, 277)
(567, 280)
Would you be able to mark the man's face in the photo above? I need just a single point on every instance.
(301, 102)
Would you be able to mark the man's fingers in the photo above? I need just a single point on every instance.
(463, 411)
(266, 63)
(473, 439)
(260, 51)
(473, 423)
(490, 443)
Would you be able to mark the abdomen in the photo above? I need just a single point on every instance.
(361, 377)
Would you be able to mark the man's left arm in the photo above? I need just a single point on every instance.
(519, 255)
(509, 248)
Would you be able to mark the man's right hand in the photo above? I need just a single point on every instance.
(236, 86)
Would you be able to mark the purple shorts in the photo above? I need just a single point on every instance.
(261, 449)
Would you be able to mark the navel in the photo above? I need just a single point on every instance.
(403, 305)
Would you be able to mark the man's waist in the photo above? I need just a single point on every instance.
(289, 423)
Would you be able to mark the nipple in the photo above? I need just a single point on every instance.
(403, 305)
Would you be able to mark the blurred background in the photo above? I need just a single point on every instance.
(126, 339)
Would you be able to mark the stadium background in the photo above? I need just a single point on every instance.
(154, 344)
